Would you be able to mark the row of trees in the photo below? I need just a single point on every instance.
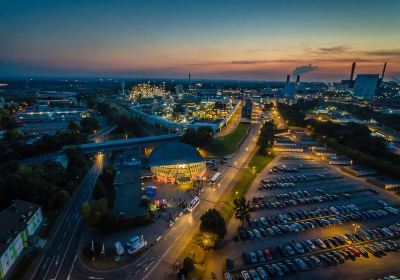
(367, 113)
(126, 124)
(198, 137)
(266, 137)
(47, 184)
(98, 212)
(352, 140)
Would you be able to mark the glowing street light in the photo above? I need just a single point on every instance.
(356, 227)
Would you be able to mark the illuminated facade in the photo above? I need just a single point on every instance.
(176, 162)
(179, 173)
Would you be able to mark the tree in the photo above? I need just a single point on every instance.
(213, 222)
(108, 221)
(99, 190)
(89, 124)
(198, 138)
(266, 138)
(73, 126)
(242, 209)
(188, 265)
(93, 211)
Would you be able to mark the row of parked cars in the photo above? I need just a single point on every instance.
(263, 204)
(299, 215)
(289, 199)
(342, 247)
(283, 168)
(302, 247)
(290, 222)
(305, 263)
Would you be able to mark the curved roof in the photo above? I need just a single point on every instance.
(171, 153)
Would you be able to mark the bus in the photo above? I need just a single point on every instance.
(193, 204)
(215, 178)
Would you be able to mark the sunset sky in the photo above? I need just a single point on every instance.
(247, 39)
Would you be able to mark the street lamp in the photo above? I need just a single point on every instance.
(356, 227)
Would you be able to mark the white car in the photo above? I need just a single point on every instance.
(133, 240)
(254, 274)
(245, 275)
(257, 233)
(119, 249)
(135, 244)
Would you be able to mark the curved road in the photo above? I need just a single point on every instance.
(157, 262)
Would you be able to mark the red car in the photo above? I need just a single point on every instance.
(267, 255)
(355, 251)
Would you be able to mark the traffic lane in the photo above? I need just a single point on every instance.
(164, 246)
(55, 250)
(163, 267)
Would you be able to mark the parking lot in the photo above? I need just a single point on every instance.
(315, 221)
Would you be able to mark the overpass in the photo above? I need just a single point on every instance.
(124, 144)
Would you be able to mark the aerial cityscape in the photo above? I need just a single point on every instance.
(229, 140)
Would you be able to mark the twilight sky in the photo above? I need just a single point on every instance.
(217, 39)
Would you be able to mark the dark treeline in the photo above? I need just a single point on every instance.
(266, 138)
(201, 137)
(367, 113)
(351, 139)
(125, 123)
(47, 184)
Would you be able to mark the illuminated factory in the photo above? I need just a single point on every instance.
(176, 162)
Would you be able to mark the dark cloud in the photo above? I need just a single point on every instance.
(340, 49)
(249, 61)
(304, 69)
(393, 52)
(333, 50)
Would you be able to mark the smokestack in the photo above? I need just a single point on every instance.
(288, 79)
(384, 70)
(298, 79)
(353, 67)
(189, 77)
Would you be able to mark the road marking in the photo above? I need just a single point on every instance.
(140, 263)
(148, 266)
(58, 257)
(66, 250)
(47, 260)
(52, 260)
(72, 266)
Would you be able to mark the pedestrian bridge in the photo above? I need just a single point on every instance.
(124, 144)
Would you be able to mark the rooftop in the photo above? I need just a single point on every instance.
(174, 153)
(13, 220)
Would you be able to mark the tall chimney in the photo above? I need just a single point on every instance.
(353, 67)
(384, 70)
(288, 79)
(298, 79)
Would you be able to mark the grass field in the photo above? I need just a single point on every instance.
(228, 144)
(256, 164)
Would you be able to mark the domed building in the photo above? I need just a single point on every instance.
(176, 162)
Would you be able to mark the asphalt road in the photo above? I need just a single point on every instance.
(61, 249)
(157, 262)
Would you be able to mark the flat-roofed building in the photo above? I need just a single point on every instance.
(18, 223)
